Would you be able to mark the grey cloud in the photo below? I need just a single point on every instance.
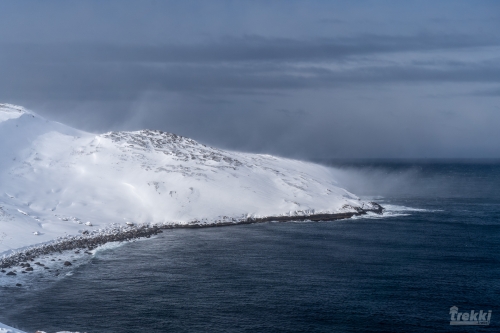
(100, 81)
(245, 65)
(308, 80)
(244, 49)
(293, 113)
(495, 92)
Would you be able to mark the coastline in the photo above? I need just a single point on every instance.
(91, 240)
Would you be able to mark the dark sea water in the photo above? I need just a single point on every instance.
(439, 246)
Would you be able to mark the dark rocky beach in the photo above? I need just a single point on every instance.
(87, 241)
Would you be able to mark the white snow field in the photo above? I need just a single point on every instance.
(56, 181)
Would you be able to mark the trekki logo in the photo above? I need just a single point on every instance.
(472, 318)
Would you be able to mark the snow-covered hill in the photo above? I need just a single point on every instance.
(54, 179)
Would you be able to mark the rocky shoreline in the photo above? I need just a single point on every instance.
(88, 241)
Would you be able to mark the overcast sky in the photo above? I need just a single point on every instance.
(304, 79)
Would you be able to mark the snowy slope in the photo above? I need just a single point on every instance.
(54, 178)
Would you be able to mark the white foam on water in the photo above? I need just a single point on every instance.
(394, 211)
(376, 216)
(397, 208)
(106, 247)
(42, 276)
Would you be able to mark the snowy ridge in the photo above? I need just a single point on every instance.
(9, 111)
(57, 181)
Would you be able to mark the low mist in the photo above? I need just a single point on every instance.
(410, 180)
